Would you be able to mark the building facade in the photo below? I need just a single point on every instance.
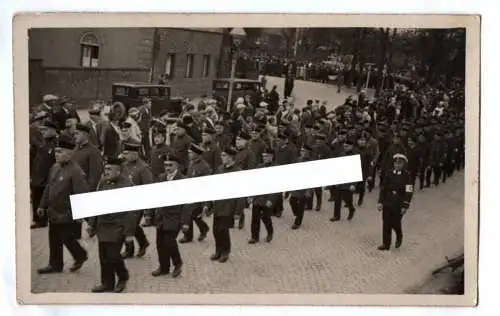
(83, 63)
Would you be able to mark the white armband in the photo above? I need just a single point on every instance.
(409, 188)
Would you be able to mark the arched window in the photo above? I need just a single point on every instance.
(89, 44)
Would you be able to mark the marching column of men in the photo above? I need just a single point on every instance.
(133, 148)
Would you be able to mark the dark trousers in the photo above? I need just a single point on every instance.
(391, 220)
(361, 189)
(59, 235)
(221, 225)
(436, 170)
(112, 264)
(297, 205)
(319, 195)
(202, 226)
(421, 176)
(36, 197)
(140, 236)
(167, 248)
(261, 213)
(146, 145)
(278, 207)
(346, 197)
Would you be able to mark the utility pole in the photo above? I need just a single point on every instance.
(154, 53)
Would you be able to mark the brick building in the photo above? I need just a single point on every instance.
(83, 63)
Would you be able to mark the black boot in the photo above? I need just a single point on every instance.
(129, 250)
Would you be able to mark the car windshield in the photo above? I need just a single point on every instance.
(221, 85)
(143, 92)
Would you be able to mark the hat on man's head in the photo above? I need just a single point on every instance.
(132, 146)
(187, 119)
(39, 116)
(168, 157)
(400, 156)
(133, 111)
(197, 148)
(65, 141)
(50, 97)
(95, 108)
(231, 151)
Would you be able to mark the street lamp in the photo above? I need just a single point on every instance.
(237, 36)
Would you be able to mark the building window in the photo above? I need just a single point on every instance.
(170, 65)
(206, 66)
(89, 51)
(189, 65)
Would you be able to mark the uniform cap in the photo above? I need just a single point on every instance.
(132, 146)
(400, 156)
(169, 157)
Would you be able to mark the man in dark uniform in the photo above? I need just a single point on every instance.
(394, 200)
(257, 144)
(245, 159)
(366, 166)
(43, 159)
(88, 156)
(138, 173)
(96, 125)
(223, 138)
(299, 198)
(112, 230)
(198, 167)
(344, 192)
(169, 221)
(436, 159)
(66, 178)
(159, 150)
(212, 151)
(423, 159)
(263, 205)
(226, 212)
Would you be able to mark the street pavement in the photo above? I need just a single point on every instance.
(320, 257)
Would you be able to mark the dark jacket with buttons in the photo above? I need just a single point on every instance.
(89, 158)
(396, 190)
(64, 180)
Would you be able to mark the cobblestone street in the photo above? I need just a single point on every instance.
(321, 257)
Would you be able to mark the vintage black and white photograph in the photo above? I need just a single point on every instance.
(114, 107)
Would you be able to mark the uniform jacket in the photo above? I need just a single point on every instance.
(171, 218)
(437, 152)
(90, 160)
(64, 180)
(396, 190)
(245, 159)
(180, 147)
(96, 132)
(44, 159)
(366, 161)
(114, 227)
(212, 155)
(228, 207)
(323, 151)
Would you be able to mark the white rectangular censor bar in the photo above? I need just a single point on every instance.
(246, 183)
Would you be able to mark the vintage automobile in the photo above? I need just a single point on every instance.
(131, 94)
(241, 87)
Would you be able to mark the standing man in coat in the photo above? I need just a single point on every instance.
(146, 116)
(344, 192)
(66, 178)
(226, 212)
(138, 173)
(112, 230)
(245, 159)
(88, 156)
(394, 200)
(42, 161)
(263, 205)
(198, 167)
(169, 220)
